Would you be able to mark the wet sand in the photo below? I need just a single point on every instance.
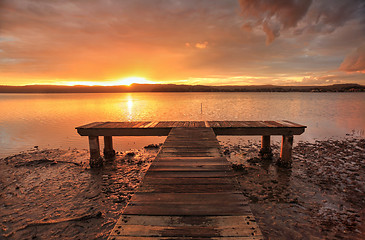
(53, 194)
(50, 194)
(321, 197)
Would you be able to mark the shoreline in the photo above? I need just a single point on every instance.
(52, 193)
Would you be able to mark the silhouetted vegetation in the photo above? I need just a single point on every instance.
(178, 88)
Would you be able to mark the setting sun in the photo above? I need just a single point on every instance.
(130, 80)
(122, 81)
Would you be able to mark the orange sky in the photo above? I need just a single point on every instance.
(209, 42)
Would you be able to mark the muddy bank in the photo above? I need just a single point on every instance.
(50, 194)
(321, 197)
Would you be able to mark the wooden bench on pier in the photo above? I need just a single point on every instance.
(162, 128)
(189, 191)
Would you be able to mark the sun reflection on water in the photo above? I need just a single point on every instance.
(130, 107)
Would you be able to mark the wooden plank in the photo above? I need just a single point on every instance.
(90, 125)
(224, 124)
(180, 168)
(193, 231)
(124, 131)
(144, 124)
(213, 152)
(177, 147)
(101, 125)
(179, 221)
(192, 198)
(186, 227)
(192, 158)
(193, 204)
(139, 124)
(188, 154)
(263, 124)
(185, 237)
(288, 124)
(274, 124)
(255, 124)
(188, 210)
(244, 124)
(165, 124)
(115, 125)
(149, 124)
(189, 181)
(206, 123)
(122, 124)
(154, 124)
(213, 124)
(294, 124)
(191, 144)
(186, 124)
(188, 164)
(195, 188)
(180, 124)
(198, 124)
(258, 131)
(187, 161)
(177, 174)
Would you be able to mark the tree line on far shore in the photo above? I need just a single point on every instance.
(178, 88)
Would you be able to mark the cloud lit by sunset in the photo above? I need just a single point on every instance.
(211, 42)
(123, 81)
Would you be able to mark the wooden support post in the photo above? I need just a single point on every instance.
(95, 159)
(286, 151)
(108, 147)
(265, 151)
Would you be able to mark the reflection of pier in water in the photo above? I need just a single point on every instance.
(189, 191)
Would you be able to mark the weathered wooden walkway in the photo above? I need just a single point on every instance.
(162, 128)
(189, 192)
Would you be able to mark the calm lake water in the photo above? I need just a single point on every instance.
(49, 120)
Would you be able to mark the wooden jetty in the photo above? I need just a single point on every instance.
(162, 128)
(190, 190)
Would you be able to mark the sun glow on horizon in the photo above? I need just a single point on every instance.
(130, 80)
(122, 81)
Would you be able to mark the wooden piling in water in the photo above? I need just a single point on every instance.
(286, 151)
(109, 152)
(95, 159)
(265, 150)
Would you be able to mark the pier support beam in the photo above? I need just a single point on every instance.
(108, 147)
(265, 151)
(286, 151)
(95, 159)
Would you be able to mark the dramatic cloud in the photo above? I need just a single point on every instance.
(355, 61)
(322, 16)
(273, 15)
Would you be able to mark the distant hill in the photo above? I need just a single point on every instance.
(178, 88)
